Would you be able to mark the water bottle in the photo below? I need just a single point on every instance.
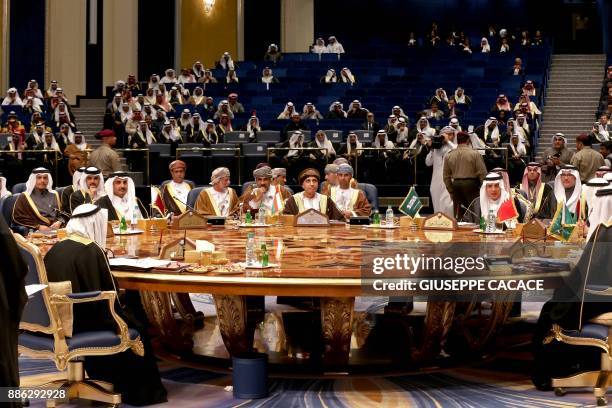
(389, 216)
(264, 255)
(490, 222)
(248, 218)
(261, 216)
(376, 218)
(250, 249)
(134, 220)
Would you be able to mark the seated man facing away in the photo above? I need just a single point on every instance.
(80, 259)
(263, 195)
(350, 201)
(309, 198)
(175, 192)
(39, 206)
(121, 200)
(219, 200)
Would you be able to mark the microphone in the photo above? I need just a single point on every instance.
(190, 208)
(470, 211)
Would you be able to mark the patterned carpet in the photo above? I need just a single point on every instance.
(481, 386)
(499, 382)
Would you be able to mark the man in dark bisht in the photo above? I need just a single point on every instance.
(175, 192)
(540, 194)
(120, 199)
(90, 188)
(80, 259)
(571, 307)
(38, 207)
(12, 300)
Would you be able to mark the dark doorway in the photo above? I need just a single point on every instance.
(578, 28)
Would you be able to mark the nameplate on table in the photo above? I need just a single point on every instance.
(534, 230)
(311, 218)
(189, 220)
(440, 221)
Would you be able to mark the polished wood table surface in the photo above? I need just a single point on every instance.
(321, 262)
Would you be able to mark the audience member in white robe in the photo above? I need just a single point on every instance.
(424, 127)
(186, 77)
(327, 152)
(319, 47)
(253, 127)
(590, 188)
(267, 77)
(33, 85)
(309, 111)
(198, 70)
(403, 133)
(185, 119)
(12, 98)
(441, 199)
(336, 111)
(170, 77)
(398, 112)
(330, 77)
(484, 45)
(461, 98)
(333, 46)
(226, 62)
(287, 112)
(347, 76)
(454, 123)
(231, 77)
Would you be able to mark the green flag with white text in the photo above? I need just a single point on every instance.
(411, 204)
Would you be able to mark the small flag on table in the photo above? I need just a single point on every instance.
(277, 204)
(507, 210)
(411, 204)
(563, 223)
(156, 200)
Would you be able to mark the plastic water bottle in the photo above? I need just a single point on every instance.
(376, 218)
(248, 218)
(490, 221)
(134, 220)
(389, 216)
(250, 249)
(261, 216)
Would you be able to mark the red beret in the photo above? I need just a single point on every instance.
(105, 133)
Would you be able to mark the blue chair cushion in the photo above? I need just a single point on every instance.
(193, 196)
(590, 331)
(102, 338)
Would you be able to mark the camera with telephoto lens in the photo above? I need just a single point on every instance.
(437, 141)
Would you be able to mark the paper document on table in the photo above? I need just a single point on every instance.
(32, 289)
(204, 246)
(144, 263)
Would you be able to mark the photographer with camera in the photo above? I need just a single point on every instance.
(555, 156)
(600, 132)
(440, 145)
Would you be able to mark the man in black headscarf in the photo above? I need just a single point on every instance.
(12, 300)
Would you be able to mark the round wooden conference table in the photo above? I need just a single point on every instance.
(324, 263)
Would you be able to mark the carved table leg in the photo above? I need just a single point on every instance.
(477, 329)
(158, 307)
(438, 321)
(184, 307)
(337, 328)
(238, 316)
